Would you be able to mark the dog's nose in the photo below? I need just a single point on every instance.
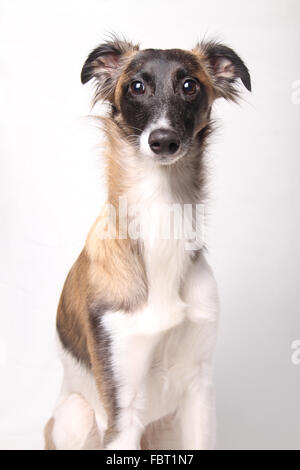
(164, 141)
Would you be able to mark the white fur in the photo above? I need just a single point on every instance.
(73, 422)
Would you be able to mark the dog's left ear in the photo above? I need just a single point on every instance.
(225, 68)
(103, 64)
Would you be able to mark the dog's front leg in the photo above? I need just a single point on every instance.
(131, 354)
(197, 409)
(197, 413)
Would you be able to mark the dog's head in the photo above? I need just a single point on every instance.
(162, 99)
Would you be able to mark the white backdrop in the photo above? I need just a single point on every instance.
(51, 191)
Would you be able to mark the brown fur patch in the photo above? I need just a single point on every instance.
(203, 74)
(123, 77)
(72, 311)
(117, 272)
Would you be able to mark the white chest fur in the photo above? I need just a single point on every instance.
(159, 215)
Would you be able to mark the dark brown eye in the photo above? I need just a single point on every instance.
(138, 88)
(189, 87)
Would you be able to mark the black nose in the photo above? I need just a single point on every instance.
(164, 141)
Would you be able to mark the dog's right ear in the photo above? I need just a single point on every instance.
(103, 65)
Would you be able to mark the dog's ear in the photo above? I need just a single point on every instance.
(103, 65)
(225, 68)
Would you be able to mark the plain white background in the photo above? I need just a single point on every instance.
(52, 190)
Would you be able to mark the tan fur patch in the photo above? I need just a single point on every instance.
(126, 59)
(71, 320)
(203, 74)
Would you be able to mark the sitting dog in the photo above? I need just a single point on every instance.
(137, 316)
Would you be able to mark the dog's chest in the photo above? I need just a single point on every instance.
(163, 226)
(173, 369)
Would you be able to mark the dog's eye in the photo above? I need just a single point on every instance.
(189, 87)
(138, 88)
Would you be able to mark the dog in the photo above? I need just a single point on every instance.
(137, 317)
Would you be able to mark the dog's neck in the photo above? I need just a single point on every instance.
(149, 189)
